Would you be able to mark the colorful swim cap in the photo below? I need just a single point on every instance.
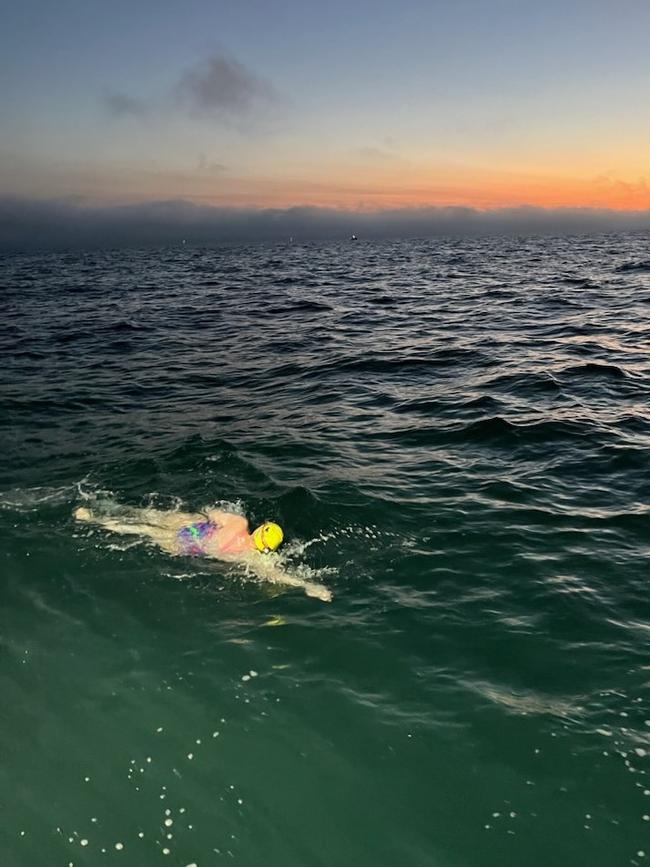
(268, 537)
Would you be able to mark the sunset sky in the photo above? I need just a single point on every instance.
(356, 105)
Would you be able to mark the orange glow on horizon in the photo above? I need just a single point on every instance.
(480, 193)
(408, 185)
(337, 184)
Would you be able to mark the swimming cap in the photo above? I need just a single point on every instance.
(268, 537)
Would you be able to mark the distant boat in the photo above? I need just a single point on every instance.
(354, 238)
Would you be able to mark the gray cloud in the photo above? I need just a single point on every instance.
(218, 87)
(222, 86)
(36, 224)
(121, 105)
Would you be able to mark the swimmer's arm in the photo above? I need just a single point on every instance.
(268, 570)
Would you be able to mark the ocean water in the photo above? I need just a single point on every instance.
(455, 436)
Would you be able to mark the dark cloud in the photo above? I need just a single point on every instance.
(121, 105)
(35, 224)
(222, 86)
(218, 87)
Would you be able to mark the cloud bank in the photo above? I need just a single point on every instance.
(33, 224)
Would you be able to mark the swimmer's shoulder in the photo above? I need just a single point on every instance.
(226, 519)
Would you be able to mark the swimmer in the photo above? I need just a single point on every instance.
(213, 533)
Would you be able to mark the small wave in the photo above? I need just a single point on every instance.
(53, 405)
(494, 430)
(431, 407)
(120, 327)
(526, 382)
(383, 300)
(582, 282)
(30, 355)
(436, 359)
(500, 429)
(316, 306)
(125, 325)
(643, 265)
(595, 368)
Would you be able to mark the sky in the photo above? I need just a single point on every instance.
(359, 106)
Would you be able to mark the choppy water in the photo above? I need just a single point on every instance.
(455, 436)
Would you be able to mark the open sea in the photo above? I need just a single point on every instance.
(455, 436)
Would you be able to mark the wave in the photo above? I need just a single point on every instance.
(525, 381)
(440, 357)
(383, 300)
(53, 405)
(491, 431)
(582, 282)
(500, 430)
(434, 406)
(593, 369)
(308, 306)
(121, 326)
(642, 266)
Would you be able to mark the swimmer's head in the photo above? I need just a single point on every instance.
(268, 537)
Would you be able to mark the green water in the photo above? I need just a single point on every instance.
(454, 437)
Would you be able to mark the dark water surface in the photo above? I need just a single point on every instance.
(455, 437)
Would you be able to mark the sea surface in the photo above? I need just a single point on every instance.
(455, 436)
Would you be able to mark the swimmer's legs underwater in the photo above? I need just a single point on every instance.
(141, 522)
